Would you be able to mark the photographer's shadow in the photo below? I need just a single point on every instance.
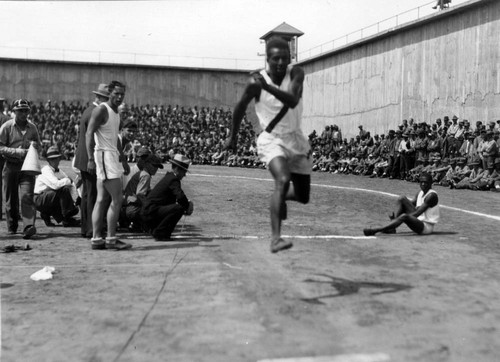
(346, 287)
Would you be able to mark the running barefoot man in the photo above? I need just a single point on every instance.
(277, 92)
(104, 160)
(420, 214)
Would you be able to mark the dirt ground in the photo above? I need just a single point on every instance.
(216, 293)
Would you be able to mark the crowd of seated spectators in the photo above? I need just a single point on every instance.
(455, 153)
(198, 133)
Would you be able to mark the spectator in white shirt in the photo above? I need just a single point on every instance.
(54, 192)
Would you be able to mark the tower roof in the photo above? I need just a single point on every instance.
(282, 29)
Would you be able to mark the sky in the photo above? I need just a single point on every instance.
(210, 33)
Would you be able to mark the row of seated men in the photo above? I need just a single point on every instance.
(57, 195)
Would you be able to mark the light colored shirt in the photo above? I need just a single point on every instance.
(431, 215)
(268, 106)
(13, 142)
(106, 136)
(49, 179)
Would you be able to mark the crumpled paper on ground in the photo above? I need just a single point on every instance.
(43, 274)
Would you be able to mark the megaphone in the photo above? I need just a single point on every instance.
(31, 164)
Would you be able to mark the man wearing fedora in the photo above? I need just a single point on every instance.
(16, 135)
(54, 192)
(89, 186)
(166, 203)
(104, 160)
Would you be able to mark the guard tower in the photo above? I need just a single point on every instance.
(290, 34)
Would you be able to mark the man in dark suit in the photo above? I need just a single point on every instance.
(89, 188)
(166, 203)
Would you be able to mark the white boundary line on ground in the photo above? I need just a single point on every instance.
(358, 357)
(493, 217)
(233, 236)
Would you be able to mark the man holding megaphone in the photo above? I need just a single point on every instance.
(16, 136)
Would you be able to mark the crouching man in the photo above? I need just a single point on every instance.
(166, 203)
(54, 192)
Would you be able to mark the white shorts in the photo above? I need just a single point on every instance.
(428, 228)
(294, 147)
(108, 165)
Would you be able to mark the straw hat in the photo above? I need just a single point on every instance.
(102, 90)
(53, 152)
(181, 161)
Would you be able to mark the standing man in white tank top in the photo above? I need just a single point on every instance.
(282, 146)
(104, 160)
(420, 214)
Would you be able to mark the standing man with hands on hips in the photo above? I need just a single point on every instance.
(104, 160)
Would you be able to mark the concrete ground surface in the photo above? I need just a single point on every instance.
(217, 293)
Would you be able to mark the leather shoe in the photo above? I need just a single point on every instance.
(46, 220)
(29, 231)
(70, 222)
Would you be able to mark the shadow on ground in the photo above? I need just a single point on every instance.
(346, 287)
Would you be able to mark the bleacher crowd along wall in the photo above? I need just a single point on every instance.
(445, 64)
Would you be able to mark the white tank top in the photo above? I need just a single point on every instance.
(268, 106)
(106, 135)
(431, 215)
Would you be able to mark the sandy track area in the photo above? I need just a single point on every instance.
(216, 293)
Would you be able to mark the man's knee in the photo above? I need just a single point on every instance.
(404, 217)
(282, 180)
(402, 198)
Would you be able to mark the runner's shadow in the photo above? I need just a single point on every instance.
(347, 287)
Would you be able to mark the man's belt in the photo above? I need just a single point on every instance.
(276, 119)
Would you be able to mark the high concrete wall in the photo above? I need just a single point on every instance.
(43, 80)
(444, 64)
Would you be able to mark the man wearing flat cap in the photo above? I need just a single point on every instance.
(16, 136)
(89, 186)
(453, 128)
(55, 192)
(166, 203)
(488, 150)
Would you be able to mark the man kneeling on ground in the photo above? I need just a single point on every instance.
(420, 214)
(166, 203)
(54, 192)
(136, 192)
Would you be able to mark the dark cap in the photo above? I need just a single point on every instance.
(21, 104)
(154, 160)
(130, 124)
(143, 152)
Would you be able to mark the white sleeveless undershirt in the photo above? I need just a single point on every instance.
(268, 106)
(431, 215)
(106, 135)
